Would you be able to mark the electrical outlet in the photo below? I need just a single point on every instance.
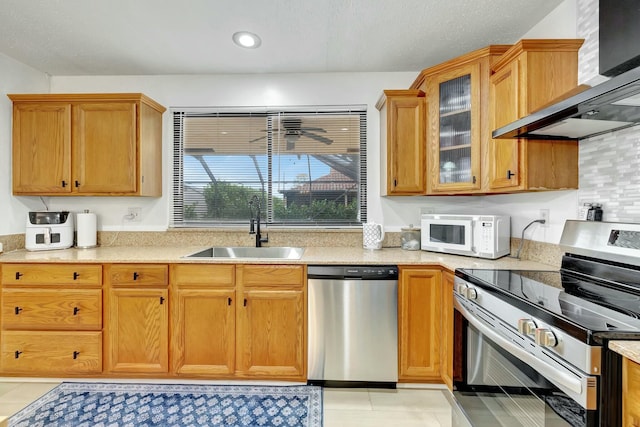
(544, 214)
(133, 214)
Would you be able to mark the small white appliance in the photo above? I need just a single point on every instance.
(482, 236)
(49, 230)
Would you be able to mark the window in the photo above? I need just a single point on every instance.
(307, 167)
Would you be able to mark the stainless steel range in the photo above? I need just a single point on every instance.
(532, 346)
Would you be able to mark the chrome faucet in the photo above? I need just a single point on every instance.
(254, 222)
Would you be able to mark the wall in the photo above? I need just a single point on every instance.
(15, 77)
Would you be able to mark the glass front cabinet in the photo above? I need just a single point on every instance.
(454, 130)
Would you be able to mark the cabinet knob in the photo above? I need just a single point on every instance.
(64, 184)
(17, 310)
(76, 354)
(18, 275)
(161, 300)
(76, 275)
(17, 354)
(135, 275)
(395, 182)
(229, 301)
(75, 311)
(474, 179)
(245, 302)
(510, 174)
(77, 184)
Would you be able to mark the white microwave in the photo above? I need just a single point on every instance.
(482, 236)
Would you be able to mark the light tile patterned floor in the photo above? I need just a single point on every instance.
(342, 407)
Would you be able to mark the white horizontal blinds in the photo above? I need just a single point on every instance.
(303, 165)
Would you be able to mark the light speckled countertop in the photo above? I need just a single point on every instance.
(629, 349)
(312, 255)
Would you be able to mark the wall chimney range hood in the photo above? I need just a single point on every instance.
(609, 106)
(612, 105)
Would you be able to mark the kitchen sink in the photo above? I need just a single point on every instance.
(249, 252)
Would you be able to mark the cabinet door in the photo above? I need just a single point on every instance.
(454, 130)
(406, 140)
(271, 325)
(504, 153)
(41, 148)
(630, 393)
(446, 343)
(203, 325)
(104, 136)
(419, 324)
(138, 330)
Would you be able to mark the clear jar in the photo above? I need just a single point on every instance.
(410, 238)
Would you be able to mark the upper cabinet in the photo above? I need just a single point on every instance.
(457, 131)
(87, 144)
(531, 75)
(402, 140)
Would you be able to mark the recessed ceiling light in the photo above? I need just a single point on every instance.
(344, 129)
(246, 39)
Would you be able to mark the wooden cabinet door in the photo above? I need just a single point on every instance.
(41, 148)
(406, 143)
(419, 324)
(446, 343)
(203, 337)
(270, 334)
(504, 153)
(105, 149)
(138, 330)
(630, 393)
(454, 142)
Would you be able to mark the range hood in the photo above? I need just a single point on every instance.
(609, 106)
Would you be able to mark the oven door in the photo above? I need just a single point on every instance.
(497, 384)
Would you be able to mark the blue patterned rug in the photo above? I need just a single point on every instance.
(140, 405)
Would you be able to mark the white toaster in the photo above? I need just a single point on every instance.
(49, 230)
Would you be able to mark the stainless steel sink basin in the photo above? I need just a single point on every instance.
(249, 252)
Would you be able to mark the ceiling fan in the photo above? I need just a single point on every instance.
(293, 130)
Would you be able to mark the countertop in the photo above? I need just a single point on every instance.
(629, 349)
(312, 255)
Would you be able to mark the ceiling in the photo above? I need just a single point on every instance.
(152, 37)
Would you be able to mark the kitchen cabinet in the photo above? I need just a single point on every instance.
(630, 393)
(137, 313)
(529, 76)
(271, 321)
(457, 131)
(51, 319)
(203, 310)
(402, 140)
(419, 323)
(446, 343)
(87, 144)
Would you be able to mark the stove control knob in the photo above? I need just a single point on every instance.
(526, 326)
(472, 293)
(462, 289)
(545, 338)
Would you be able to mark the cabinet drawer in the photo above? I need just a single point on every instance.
(270, 275)
(138, 275)
(199, 275)
(47, 309)
(50, 353)
(51, 274)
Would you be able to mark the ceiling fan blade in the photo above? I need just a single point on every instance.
(317, 137)
(257, 139)
(313, 129)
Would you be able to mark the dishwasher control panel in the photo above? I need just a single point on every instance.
(367, 272)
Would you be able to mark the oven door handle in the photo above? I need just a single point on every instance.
(568, 381)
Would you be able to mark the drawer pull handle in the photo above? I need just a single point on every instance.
(17, 310)
(64, 184)
(75, 311)
(245, 302)
(510, 174)
(229, 301)
(17, 354)
(135, 276)
(18, 275)
(76, 354)
(161, 300)
(76, 275)
(77, 184)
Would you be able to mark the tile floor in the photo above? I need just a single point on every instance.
(342, 407)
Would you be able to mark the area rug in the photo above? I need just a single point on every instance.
(145, 405)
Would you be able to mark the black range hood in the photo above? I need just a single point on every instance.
(609, 106)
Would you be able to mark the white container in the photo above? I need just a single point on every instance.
(87, 231)
(372, 235)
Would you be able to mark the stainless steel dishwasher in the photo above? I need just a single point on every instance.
(353, 325)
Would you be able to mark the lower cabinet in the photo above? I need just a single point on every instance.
(630, 393)
(238, 321)
(419, 324)
(137, 339)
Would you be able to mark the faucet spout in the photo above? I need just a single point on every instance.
(254, 223)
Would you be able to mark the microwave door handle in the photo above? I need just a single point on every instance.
(47, 236)
(568, 381)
